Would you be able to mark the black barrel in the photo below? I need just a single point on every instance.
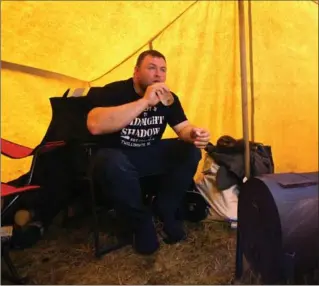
(278, 225)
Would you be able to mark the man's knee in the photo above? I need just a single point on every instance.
(195, 154)
(189, 154)
(112, 163)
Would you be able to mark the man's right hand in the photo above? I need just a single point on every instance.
(152, 92)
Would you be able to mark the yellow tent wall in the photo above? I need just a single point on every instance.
(98, 42)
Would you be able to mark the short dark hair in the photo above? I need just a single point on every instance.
(153, 53)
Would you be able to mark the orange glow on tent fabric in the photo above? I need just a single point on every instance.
(98, 42)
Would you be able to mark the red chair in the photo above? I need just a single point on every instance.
(17, 151)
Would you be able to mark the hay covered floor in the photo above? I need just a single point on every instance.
(64, 256)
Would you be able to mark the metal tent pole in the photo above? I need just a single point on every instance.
(243, 72)
(240, 262)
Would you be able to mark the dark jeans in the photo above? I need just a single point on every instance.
(118, 172)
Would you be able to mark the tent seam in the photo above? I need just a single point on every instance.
(147, 43)
(37, 71)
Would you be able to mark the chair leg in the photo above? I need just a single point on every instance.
(96, 235)
(65, 217)
(14, 275)
(8, 207)
(98, 250)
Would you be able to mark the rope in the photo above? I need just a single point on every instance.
(40, 72)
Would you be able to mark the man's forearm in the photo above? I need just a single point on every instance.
(103, 120)
(185, 134)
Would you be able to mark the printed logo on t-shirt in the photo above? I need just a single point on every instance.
(144, 129)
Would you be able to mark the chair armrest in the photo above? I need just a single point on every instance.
(14, 150)
(41, 149)
(49, 146)
(7, 190)
(18, 151)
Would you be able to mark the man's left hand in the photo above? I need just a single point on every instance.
(200, 137)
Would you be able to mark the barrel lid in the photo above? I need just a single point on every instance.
(294, 180)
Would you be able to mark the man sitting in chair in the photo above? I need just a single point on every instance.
(129, 118)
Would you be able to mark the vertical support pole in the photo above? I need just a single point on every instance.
(243, 72)
(251, 70)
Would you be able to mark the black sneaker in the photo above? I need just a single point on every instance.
(145, 239)
(174, 240)
(174, 232)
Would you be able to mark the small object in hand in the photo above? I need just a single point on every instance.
(166, 98)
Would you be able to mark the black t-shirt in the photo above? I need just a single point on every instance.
(144, 130)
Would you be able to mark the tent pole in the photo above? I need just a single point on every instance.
(251, 70)
(243, 72)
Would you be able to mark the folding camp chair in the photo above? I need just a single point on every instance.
(17, 151)
(68, 124)
(7, 190)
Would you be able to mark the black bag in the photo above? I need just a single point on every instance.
(261, 160)
(229, 154)
(194, 207)
(68, 123)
